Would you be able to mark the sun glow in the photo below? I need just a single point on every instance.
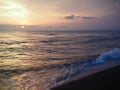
(18, 10)
(22, 27)
(14, 11)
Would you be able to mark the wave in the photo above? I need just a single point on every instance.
(107, 56)
(73, 69)
(55, 74)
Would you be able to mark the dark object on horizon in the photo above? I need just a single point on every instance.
(104, 80)
(52, 34)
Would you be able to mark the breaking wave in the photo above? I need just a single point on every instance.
(107, 56)
(71, 70)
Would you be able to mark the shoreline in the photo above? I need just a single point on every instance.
(110, 73)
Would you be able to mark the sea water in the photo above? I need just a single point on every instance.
(37, 60)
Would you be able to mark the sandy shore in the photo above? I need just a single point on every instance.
(104, 79)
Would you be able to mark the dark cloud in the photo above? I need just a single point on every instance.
(71, 17)
(87, 17)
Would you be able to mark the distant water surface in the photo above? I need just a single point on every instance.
(36, 60)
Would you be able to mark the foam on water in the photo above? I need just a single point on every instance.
(63, 72)
(107, 56)
(43, 80)
(77, 68)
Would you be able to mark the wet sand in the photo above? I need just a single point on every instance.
(106, 79)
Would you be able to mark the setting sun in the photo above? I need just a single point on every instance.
(22, 27)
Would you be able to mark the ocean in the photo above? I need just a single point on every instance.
(38, 60)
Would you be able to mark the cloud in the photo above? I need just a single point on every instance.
(87, 17)
(71, 17)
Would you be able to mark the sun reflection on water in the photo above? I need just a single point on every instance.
(21, 55)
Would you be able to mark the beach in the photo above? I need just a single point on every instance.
(106, 79)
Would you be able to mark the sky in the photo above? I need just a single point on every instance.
(60, 14)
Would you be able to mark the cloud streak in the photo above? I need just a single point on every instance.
(87, 17)
(73, 17)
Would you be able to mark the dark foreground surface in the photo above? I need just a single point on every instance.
(107, 79)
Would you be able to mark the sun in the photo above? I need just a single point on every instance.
(22, 27)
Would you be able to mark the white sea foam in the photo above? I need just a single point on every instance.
(107, 56)
(71, 70)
